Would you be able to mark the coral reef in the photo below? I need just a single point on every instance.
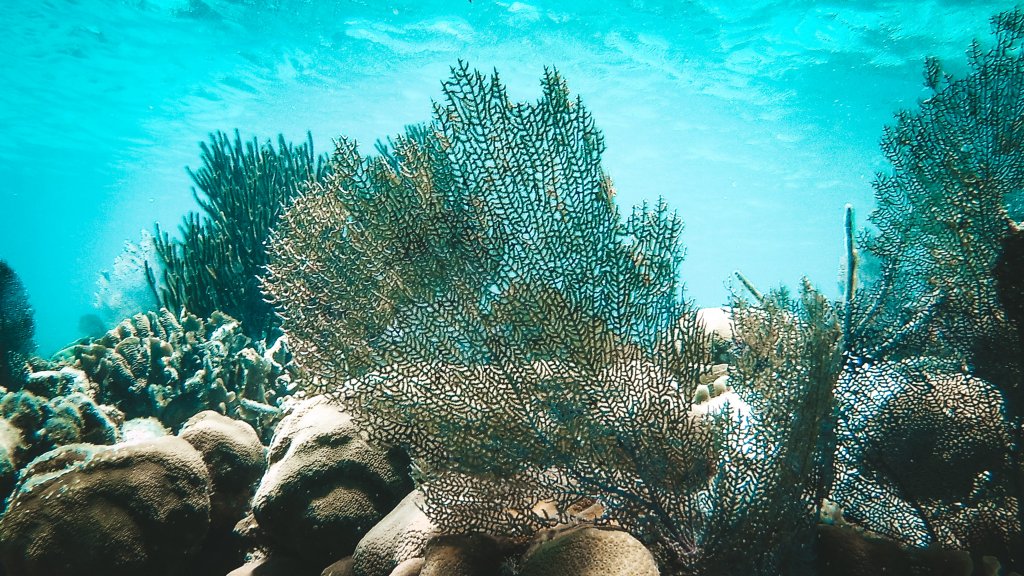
(17, 328)
(242, 190)
(171, 368)
(471, 303)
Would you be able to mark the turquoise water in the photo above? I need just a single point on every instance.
(757, 121)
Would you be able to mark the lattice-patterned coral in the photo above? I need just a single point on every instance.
(473, 295)
(931, 408)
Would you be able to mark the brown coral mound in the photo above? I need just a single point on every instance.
(126, 510)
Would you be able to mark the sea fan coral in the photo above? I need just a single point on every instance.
(472, 295)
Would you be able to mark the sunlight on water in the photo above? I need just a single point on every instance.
(757, 121)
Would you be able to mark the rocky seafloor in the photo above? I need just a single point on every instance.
(176, 445)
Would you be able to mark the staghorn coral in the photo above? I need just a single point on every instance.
(242, 189)
(171, 368)
(473, 295)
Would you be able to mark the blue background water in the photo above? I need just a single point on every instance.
(757, 120)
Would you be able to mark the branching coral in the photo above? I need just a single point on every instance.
(242, 190)
(159, 365)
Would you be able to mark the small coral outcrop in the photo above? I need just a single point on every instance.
(399, 536)
(173, 367)
(589, 551)
(55, 408)
(234, 458)
(133, 509)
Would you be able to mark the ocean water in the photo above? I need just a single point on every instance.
(758, 121)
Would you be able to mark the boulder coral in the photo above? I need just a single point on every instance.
(588, 551)
(326, 487)
(469, 554)
(235, 460)
(131, 509)
(401, 535)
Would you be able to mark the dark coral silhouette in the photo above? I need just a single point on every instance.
(242, 189)
(17, 329)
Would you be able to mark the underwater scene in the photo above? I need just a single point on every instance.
(492, 288)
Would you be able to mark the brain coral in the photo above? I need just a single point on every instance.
(126, 510)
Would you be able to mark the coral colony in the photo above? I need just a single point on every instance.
(456, 356)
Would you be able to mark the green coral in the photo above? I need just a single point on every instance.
(242, 188)
(17, 328)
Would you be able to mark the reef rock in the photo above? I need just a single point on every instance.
(234, 458)
(589, 551)
(473, 554)
(326, 487)
(123, 510)
(401, 535)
